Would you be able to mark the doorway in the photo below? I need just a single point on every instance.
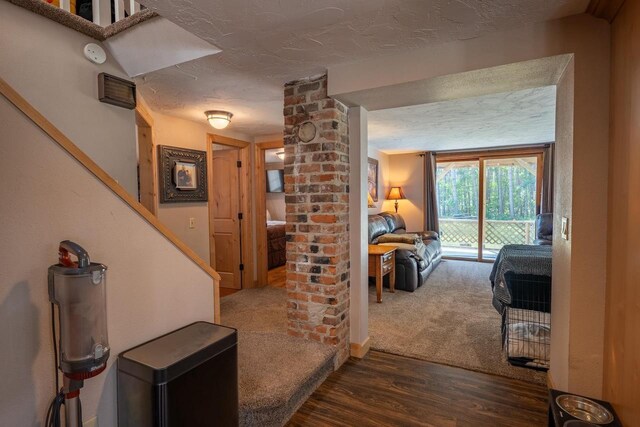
(230, 211)
(270, 213)
(487, 200)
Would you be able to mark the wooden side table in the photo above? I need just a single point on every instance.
(382, 261)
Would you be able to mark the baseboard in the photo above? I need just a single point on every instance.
(550, 382)
(360, 350)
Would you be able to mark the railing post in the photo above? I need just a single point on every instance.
(101, 12)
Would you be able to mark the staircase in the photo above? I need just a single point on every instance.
(277, 372)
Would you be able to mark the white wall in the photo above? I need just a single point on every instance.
(383, 181)
(152, 288)
(43, 61)
(587, 38)
(177, 132)
(407, 171)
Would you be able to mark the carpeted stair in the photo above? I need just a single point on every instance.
(277, 372)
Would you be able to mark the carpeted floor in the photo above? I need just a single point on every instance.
(276, 372)
(448, 320)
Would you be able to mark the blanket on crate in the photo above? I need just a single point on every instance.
(517, 259)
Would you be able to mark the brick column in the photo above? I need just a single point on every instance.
(317, 202)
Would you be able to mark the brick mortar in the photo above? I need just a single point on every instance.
(317, 215)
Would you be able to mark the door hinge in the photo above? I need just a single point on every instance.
(241, 267)
(240, 215)
(239, 163)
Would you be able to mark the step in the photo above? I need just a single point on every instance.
(276, 375)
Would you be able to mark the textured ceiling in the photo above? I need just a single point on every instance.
(268, 42)
(514, 118)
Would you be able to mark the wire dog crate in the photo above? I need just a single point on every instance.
(526, 321)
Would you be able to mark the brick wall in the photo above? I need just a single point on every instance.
(317, 205)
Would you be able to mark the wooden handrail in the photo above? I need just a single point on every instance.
(65, 143)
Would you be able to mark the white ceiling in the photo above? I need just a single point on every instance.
(266, 43)
(504, 119)
(165, 44)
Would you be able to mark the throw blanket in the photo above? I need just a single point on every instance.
(418, 249)
(517, 259)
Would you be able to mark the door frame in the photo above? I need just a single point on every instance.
(147, 165)
(481, 156)
(245, 178)
(261, 208)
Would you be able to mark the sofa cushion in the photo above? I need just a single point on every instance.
(377, 227)
(395, 221)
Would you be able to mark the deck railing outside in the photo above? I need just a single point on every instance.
(463, 233)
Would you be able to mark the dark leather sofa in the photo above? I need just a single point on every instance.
(411, 271)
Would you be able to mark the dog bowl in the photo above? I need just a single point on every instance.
(584, 409)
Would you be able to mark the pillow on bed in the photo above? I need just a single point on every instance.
(399, 238)
(268, 215)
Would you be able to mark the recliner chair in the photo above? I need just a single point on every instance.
(544, 229)
(411, 271)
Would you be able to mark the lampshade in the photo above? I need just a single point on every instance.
(396, 193)
(370, 200)
(218, 119)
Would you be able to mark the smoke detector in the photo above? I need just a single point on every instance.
(95, 53)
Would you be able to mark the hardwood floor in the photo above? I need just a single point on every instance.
(391, 390)
(276, 277)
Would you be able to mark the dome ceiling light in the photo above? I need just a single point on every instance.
(218, 119)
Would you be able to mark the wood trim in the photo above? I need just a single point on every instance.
(66, 144)
(225, 140)
(360, 350)
(261, 209)
(605, 9)
(143, 117)
(246, 183)
(147, 160)
(492, 153)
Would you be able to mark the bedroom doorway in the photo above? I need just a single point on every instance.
(270, 213)
(230, 239)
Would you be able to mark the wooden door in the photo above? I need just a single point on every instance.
(225, 211)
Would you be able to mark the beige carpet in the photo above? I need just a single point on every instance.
(276, 372)
(448, 320)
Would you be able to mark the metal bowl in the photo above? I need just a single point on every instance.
(584, 409)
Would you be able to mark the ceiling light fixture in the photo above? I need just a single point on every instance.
(280, 155)
(218, 119)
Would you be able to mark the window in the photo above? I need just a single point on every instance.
(487, 201)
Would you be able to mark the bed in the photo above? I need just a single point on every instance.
(276, 244)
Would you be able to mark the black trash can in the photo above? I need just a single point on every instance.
(188, 377)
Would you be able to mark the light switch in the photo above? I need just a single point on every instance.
(564, 230)
(192, 223)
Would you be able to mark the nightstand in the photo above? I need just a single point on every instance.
(382, 261)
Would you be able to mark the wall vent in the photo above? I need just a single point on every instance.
(116, 91)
